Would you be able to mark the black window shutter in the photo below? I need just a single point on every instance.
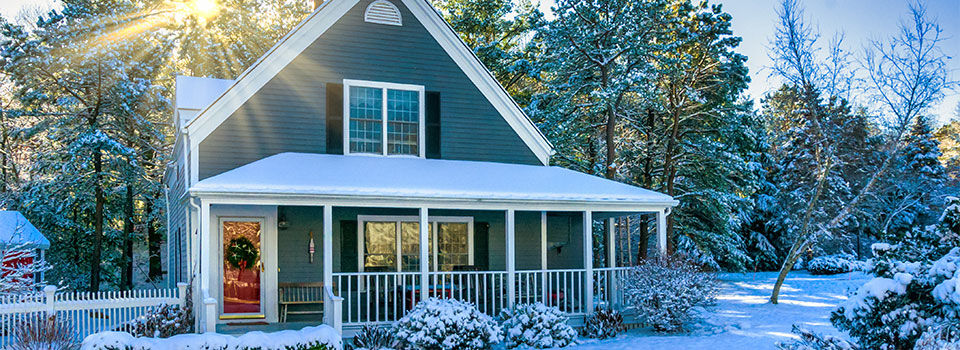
(334, 118)
(481, 252)
(348, 246)
(432, 99)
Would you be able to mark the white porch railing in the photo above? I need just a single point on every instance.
(384, 297)
(86, 313)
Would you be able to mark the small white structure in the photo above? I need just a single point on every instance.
(18, 233)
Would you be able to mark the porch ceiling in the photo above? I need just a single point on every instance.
(404, 178)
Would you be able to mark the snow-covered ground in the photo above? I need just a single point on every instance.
(744, 319)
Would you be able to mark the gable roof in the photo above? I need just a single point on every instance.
(311, 28)
(16, 232)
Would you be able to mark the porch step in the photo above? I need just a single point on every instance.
(237, 329)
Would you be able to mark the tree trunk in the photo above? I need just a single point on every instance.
(643, 245)
(154, 239)
(610, 165)
(126, 280)
(669, 173)
(96, 256)
(610, 136)
(804, 241)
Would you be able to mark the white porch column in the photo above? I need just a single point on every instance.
(613, 276)
(543, 257)
(662, 232)
(206, 269)
(327, 246)
(611, 244)
(511, 258)
(588, 260)
(424, 253)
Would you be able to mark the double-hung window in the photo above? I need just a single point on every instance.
(383, 118)
(392, 243)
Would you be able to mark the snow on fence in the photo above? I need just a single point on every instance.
(86, 312)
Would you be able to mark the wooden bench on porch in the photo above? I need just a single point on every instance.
(295, 293)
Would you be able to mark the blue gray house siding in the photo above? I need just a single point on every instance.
(287, 114)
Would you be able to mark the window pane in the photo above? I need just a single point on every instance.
(380, 243)
(410, 245)
(366, 120)
(403, 122)
(452, 248)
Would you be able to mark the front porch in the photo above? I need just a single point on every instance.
(357, 258)
(492, 258)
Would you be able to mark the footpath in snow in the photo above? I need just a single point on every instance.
(744, 319)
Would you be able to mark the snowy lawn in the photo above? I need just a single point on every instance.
(744, 319)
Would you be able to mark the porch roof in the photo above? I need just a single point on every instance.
(410, 178)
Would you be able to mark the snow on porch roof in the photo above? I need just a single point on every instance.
(15, 230)
(357, 175)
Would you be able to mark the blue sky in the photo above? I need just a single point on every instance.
(754, 20)
(859, 20)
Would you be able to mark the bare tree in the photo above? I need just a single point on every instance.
(906, 75)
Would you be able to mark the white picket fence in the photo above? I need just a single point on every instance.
(85, 312)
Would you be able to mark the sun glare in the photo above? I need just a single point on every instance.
(204, 9)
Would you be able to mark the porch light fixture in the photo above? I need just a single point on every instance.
(282, 220)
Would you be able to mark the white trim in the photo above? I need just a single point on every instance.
(387, 13)
(305, 33)
(398, 219)
(384, 86)
(588, 259)
(510, 228)
(662, 231)
(434, 203)
(327, 246)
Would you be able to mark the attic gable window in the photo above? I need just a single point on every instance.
(383, 12)
(379, 114)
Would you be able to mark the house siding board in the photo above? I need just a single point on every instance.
(293, 245)
(175, 180)
(287, 114)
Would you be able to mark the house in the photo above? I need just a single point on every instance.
(314, 177)
(20, 245)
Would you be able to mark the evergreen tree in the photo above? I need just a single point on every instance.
(918, 179)
(500, 33)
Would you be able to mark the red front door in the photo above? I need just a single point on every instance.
(241, 267)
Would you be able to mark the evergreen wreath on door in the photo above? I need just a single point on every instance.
(241, 253)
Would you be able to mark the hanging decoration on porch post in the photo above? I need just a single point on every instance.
(312, 249)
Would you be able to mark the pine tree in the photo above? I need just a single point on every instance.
(921, 176)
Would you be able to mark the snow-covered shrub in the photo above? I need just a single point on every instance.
(914, 288)
(813, 341)
(447, 324)
(163, 321)
(536, 325)
(942, 337)
(308, 338)
(374, 338)
(666, 291)
(829, 265)
(603, 324)
(41, 332)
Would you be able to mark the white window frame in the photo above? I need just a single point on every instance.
(398, 219)
(384, 86)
